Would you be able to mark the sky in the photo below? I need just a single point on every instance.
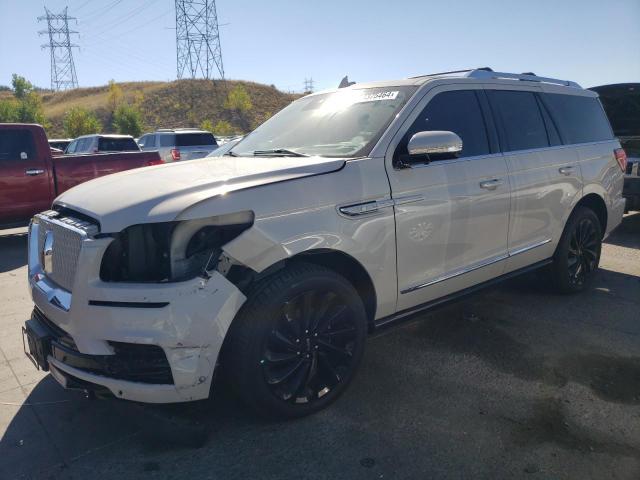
(282, 42)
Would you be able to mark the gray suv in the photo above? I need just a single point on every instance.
(179, 143)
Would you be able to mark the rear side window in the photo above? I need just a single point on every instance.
(194, 139)
(458, 112)
(521, 119)
(16, 144)
(106, 144)
(580, 119)
(167, 140)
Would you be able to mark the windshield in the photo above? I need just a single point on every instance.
(345, 123)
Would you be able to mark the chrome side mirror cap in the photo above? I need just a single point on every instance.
(436, 142)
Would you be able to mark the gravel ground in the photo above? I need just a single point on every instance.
(515, 382)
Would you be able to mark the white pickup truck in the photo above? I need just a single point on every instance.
(348, 210)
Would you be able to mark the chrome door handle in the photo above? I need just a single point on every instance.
(34, 171)
(566, 170)
(491, 184)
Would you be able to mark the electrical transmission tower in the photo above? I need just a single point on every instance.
(198, 39)
(308, 85)
(63, 70)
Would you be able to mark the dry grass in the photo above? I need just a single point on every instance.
(181, 103)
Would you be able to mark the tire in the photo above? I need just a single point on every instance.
(297, 341)
(578, 253)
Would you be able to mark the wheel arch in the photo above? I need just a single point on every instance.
(595, 203)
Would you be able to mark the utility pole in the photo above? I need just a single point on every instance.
(308, 85)
(198, 39)
(63, 70)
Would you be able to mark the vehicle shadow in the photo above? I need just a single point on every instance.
(627, 234)
(13, 251)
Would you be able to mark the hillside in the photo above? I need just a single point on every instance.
(181, 103)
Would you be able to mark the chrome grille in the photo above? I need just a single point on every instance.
(68, 234)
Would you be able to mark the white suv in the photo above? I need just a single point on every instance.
(348, 210)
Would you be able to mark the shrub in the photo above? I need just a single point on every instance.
(127, 119)
(79, 121)
(223, 128)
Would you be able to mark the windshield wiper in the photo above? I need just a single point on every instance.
(279, 152)
(230, 154)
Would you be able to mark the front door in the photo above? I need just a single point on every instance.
(452, 215)
(24, 177)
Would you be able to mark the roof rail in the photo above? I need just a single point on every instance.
(453, 71)
(527, 77)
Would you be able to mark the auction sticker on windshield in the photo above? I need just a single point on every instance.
(373, 97)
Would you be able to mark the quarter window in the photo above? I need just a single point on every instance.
(521, 120)
(456, 111)
(580, 119)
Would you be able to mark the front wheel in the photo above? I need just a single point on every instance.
(578, 253)
(296, 343)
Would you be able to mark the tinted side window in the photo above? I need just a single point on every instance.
(150, 141)
(106, 144)
(580, 119)
(83, 145)
(71, 148)
(13, 143)
(521, 119)
(456, 111)
(195, 139)
(167, 140)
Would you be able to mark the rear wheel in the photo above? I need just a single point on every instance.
(578, 253)
(297, 341)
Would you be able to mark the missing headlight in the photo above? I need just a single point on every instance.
(172, 251)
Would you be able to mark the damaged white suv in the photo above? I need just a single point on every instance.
(348, 210)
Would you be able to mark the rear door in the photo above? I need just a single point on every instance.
(544, 175)
(452, 215)
(25, 184)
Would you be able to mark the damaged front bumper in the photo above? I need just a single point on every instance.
(155, 343)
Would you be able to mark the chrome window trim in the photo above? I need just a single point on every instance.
(471, 268)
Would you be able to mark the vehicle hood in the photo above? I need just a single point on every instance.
(160, 193)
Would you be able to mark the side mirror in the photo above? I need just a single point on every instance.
(436, 144)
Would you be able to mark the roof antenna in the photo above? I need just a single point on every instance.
(345, 82)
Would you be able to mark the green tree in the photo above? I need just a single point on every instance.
(79, 121)
(127, 119)
(9, 110)
(206, 125)
(114, 96)
(30, 109)
(238, 100)
(21, 86)
(223, 128)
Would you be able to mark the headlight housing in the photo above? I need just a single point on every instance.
(170, 251)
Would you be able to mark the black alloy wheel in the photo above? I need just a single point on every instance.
(583, 252)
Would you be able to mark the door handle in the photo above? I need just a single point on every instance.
(491, 184)
(34, 171)
(566, 170)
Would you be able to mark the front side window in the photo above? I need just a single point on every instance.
(456, 111)
(580, 119)
(168, 140)
(71, 148)
(343, 123)
(16, 145)
(521, 119)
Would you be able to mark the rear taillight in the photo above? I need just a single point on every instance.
(621, 157)
(175, 154)
(156, 161)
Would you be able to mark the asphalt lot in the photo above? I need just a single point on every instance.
(516, 382)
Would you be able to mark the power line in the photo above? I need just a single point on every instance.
(308, 85)
(63, 70)
(198, 39)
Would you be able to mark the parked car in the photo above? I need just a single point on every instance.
(103, 143)
(31, 176)
(179, 143)
(60, 143)
(225, 148)
(622, 103)
(347, 211)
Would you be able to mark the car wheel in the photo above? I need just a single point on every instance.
(297, 341)
(578, 253)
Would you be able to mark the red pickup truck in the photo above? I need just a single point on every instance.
(31, 177)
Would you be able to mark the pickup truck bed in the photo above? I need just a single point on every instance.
(30, 177)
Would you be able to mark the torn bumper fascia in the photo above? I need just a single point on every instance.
(190, 329)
